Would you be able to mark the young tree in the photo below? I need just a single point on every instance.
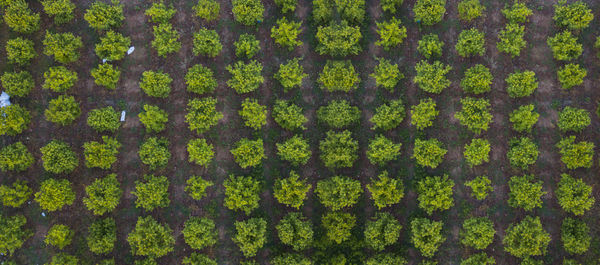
(525, 192)
(103, 195)
(242, 193)
(381, 231)
(102, 236)
(386, 259)
(101, 155)
(57, 157)
(200, 152)
(291, 191)
(19, 17)
(197, 258)
(54, 194)
(63, 46)
(430, 46)
(295, 150)
(60, 10)
(338, 114)
(104, 119)
(248, 12)
(152, 192)
(248, 153)
(427, 235)
(166, 40)
(63, 259)
(17, 84)
(200, 80)
(432, 78)
(477, 80)
(574, 16)
(288, 115)
(477, 152)
(160, 13)
(470, 42)
(382, 150)
(571, 75)
(155, 153)
(296, 231)
(250, 236)
(573, 119)
(391, 6)
(338, 192)
(429, 12)
(388, 116)
(423, 114)
(576, 155)
(469, 10)
(102, 16)
(207, 43)
(245, 78)
(290, 74)
(59, 236)
(338, 39)
(574, 195)
(387, 75)
(385, 191)
(156, 84)
(429, 153)
(511, 39)
(526, 238)
(338, 226)
(199, 233)
(524, 118)
(202, 114)
(246, 46)
(63, 110)
(253, 114)
(113, 46)
(326, 11)
(20, 51)
(15, 195)
(477, 232)
(479, 259)
(153, 118)
(480, 187)
(207, 9)
(291, 258)
(518, 12)
(575, 235)
(285, 33)
(13, 234)
(565, 46)
(391, 33)
(150, 238)
(521, 84)
(59, 79)
(523, 152)
(435, 193)
(339, 76)
(287, 5)
(338, 150)
(15, 157)
(106, 75)
(196, 187)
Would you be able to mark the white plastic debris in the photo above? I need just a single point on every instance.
(4, 100)
(122, 115)
(130, 51)
(44, 214)
(104, 60)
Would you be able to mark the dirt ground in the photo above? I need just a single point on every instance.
(549, 99)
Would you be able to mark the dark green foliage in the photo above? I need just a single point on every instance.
(435, 193)
(526, 238)
(198, 259)
(287, 5)
(338, 114)
(102, 236)
(54, 194)
(575, 235)
(15, 157)
(248, 153)
(391, 6)
(338, 192)
(63, 110)
(104, 119)
(296, 231)
(103, 195)
(101, 155)
(17, 84)
(291, 191)
(12, 233)
(338, 226)
(382, 231)
(479, 259)
(477, 232)
(574, 195)
(199, 232)
(386, 259)
(16, 194)
(250, 236)
(242, 193)
(58, 157)
(150, 238)
(152, 192)
(155, 153)
(291, 259)
(426, 235)
(338, 150)
(64, 259)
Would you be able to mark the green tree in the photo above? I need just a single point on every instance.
(16, 194)
(60, 10)
(426, 235)
(391, 33)
(153, 118)
(523, 152)
(57, 157)
(391, 6)
(101, 155)
(470, 42)
(338, 114)
(242, 193)
(246, 46)
(15, 157)
(573, 119)
(295, 150)
(20, 51)
(477, 232)
(106, 75)
(571, 75)
(152, 192)
(54, 194)
(429, 12)
(435, 193)
(207, 43)
(285, 33)
(155, 153)
(104, 119)
(102, 16)
(291, 191)
(202, 114)
(338, 39)
(19, 17)
(386, 259)
(63, 110)
(385, 191)
(166, 40)
(198, 259)
(207, 9)
(339, 76)
(432, 78)
(338, 192)
(429, 153)
(160, 13)
(156, 84)
(248, 153)
(430, 46)
(196, 187)
(287, 5)
(574, 16)
(518, 12)
(477, 152)
(576, 155)
(253, 113)
(388, 116)
(526, 238)
(103, 195)
(325, 11)
(113, 46)
(290, 258)
(64, 259)
(288, 115)
(200, 152)
(386, 74)
(477, 80)
(296, 231)
(59, 236)
(338, 226)
(13, 233)
(478, 259)
(17, 84)
(575, 235)
(469, 10)
(382, 231)
(338, 150)
(63, 46)
(423, 114)
(200, 80)
(199, 232)
(245, 78)
(248, 12)
(511, 39)
(102, 236)
(59, 79)
(290, 74)
(150, 238)
(521, 84)
(574, 195)
(250, 236)
(480, 187)
(382, 150)
(524, 118)
(565, 46)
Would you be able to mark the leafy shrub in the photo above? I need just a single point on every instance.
(64, 259)
(250, 235)
(511, 39)
(13, 233)
(523, 152)
(295, 150)
(200, 152)
(16, 194)
(200, 80)
(19, 17)
(426, 235)
(574, 16)
(571, 75)
(386, 259)
(15, 157)
(386, 74)
(430, 46)
(166, 39)
(101, 155)
(150, 238)
(160, 13)
(102, 16)
(324, 11)
(202, 114)
(291, 191)
(253, 114)
(521, 84)
(390, 6)
(296, 231)
(103, 195)
(518, 12)
(575, 235)
(338, 39)
(429, 12)
(576, 155)
(288, 115)
(338, 114)
(480, 187)
(479, 259)
(574, 195)
(385, 191)
(246, 46)
(382, 231)
(287, 5)
(338, 192)
(435, 193)
(248, 12)
(59, 236)
(525, 192)
(153, 118)
(573, 119)
(285, 33)
(432, 77)
(526, 238)
(197, 258)
(391, 33)
(156, 84)
(207, 9)
(477, 80)
(470, 42)
(249, 153)
(57, 157)
(59, 79)
(104, 119)
(17, 84)
(152, 192)
(196, 187)
(338, 226)
(477, 232)
(290, 258)
(207, 43)
(423, 114)
(14, 119)
(429, 153)
(20, 51)
(475, 114)
(382, 150)
(113, 46)
(199, 232)
(106, 75)
(63, 46)
(245, 78)
(565, 46)
(242, 193)
(524, 118)
(388, 116)
(60, 10)
(339, 76)
(470, 9)
(290, 74)
(477, 152)
(102, 236)
(154, 152)
(54, 194)
(338, 150)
